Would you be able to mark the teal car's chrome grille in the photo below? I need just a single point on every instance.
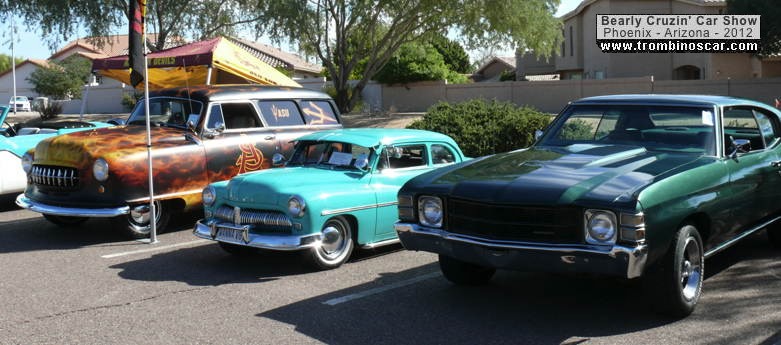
(54, 177)
(264, 221)
(514, 223)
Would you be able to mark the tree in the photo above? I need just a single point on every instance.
(343, 33)
(60, 19)
(5, 62)
(62, 80)
(453, 53)
(416, 61)
(770, 30)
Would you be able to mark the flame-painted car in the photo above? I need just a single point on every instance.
(338, 190)
(14, 142)
(629, 185)
(199, 135)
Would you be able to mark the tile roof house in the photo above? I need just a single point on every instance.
(493, 69)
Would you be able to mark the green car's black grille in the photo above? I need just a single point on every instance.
(515, 223)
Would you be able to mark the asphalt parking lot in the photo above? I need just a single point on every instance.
(90, 285)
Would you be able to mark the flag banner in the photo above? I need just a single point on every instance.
(137, 41)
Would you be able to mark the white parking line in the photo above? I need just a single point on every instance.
(155, 249)
(403, 283)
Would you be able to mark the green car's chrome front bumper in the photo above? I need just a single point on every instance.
(208, 229)
(627, 262)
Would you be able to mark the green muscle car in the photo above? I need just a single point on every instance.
(337, 190)
(634, 186)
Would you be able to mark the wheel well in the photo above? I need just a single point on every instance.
(702, 222)
(353, 224)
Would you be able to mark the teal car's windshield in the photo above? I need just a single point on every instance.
(330, 154)
(674, 128)
(164, 111)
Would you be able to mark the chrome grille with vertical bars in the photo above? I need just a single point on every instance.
(270, 220)
(54, 176)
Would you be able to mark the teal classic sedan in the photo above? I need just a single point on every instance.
(337, 190)
(634, 186)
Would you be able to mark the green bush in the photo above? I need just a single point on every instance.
(482, 127)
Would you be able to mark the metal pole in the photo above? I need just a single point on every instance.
(13, 67)
(208, 75)
(152, 210)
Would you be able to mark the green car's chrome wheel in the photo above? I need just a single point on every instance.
(676, 280)
(336, 244)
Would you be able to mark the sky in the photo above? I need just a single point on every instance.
(30, 45)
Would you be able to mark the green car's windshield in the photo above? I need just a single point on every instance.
(674, 128)
(164, 111)
(330, 154)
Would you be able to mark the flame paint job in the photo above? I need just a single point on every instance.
(184, 162)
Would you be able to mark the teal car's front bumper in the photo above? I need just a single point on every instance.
(627, 262)
(228, 232)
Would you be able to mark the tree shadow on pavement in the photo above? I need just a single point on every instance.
(538, 308)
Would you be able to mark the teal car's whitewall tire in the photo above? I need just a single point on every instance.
(337, 244)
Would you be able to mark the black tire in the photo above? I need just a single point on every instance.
(464, 273)
(65, 221)
(774, 234)
(675, 282)
(137, 225)
(237, 250)
(337, 245)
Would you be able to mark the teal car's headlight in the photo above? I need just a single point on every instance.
(100, 169)
(296, 206)
(27, 163)
(430, 211)
(600, 227)
(209, 195)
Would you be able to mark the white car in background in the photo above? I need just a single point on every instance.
(22, 103)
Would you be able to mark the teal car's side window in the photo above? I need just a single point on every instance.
(441, 154)
(400, 157)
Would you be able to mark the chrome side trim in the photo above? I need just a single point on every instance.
(380, 243)
(636, 255)
(729, 243)
(357, 208)
(35, 206)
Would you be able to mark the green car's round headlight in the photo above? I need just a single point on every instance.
(601, 227)
(209, 195)
(27, 163)
(430, 210)
(100, 169)
(296, 206)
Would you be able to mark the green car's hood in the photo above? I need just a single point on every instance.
(274, 186)
(557, 175)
